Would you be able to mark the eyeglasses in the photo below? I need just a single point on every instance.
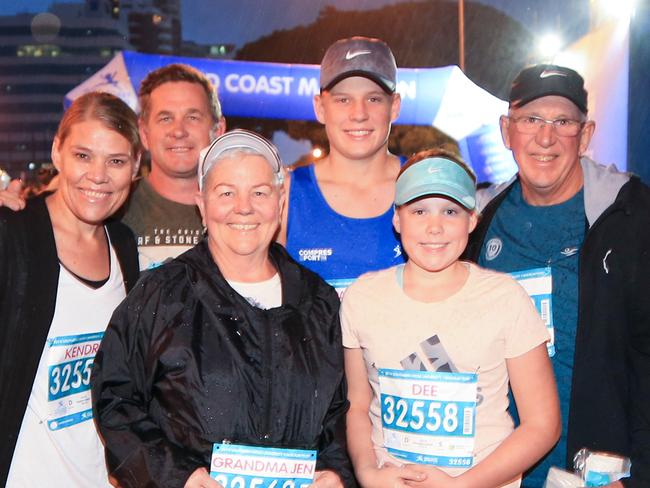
(530, 124)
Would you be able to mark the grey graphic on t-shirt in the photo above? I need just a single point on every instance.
(434, 353)
(438, 359)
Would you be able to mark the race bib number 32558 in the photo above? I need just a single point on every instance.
(429, 417)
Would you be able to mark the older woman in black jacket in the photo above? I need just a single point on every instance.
(231, 343)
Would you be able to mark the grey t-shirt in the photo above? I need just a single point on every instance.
(163, 228)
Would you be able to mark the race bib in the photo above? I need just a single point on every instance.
(429, 417)
(340, 285)
(237, 466)
(151, 257)
(69, 364)
(538, 283)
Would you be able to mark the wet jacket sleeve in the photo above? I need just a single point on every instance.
(332, 449)
(137, 452)
(332, 452)
(639, 374)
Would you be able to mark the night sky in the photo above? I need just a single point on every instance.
(225, 21)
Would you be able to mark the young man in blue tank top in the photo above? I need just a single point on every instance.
(339, 217)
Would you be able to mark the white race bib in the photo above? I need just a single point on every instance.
(340, 285)
(538, 283)
(237, 466)
(69, 364)
(429, 417)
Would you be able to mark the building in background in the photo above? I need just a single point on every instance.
(215, 51)
(153, 26)
(41, 58)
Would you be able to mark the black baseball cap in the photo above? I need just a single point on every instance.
(548, 79)
(359, 56)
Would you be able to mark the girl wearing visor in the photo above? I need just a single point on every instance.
(231, 347)
(431, 345)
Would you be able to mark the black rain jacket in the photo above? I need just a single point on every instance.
(187, 362)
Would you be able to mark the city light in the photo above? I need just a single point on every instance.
(549, 45)
(618, 9)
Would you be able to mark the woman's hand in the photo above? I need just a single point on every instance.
(327, 479)
(390, 476)
(11, 197)
(435, 478)
(200, 478)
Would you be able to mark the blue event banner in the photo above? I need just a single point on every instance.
(443, 97)
(285, 91)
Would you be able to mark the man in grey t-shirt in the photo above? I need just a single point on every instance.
(180, 115)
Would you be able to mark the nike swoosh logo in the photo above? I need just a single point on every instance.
(549, 73)
(351, 55)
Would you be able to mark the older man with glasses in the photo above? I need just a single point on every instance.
(583, 231)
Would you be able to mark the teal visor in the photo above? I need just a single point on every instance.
(436, 176)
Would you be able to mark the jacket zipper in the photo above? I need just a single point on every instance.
(269, 378)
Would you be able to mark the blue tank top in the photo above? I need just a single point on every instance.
(338, 248)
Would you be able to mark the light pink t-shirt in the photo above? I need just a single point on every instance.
(490, 319)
